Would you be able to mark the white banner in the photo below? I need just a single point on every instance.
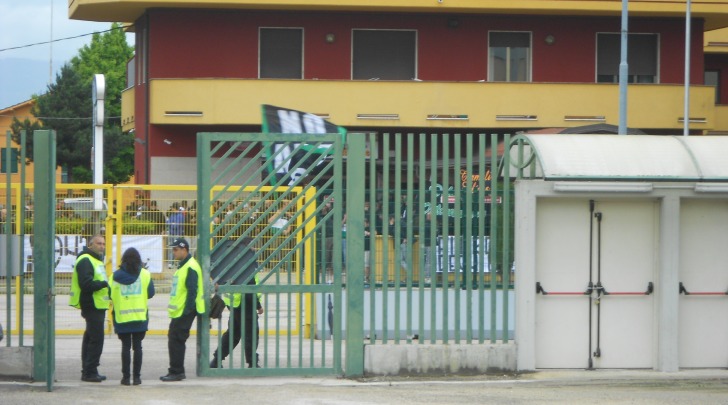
(457, 254)
(68, 247)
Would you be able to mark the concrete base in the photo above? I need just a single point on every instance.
(16, 362)
(391, 359)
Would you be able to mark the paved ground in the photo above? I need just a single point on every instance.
(557, 387)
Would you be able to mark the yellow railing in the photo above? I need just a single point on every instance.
(131, 215)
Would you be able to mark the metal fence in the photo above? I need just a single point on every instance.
(438, 261)
(439, 224)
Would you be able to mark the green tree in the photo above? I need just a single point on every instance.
(107, 53)
(66, 108)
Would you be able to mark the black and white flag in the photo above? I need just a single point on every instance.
(295, 159)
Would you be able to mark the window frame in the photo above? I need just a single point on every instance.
(260, 50)
(491, 65)
(415, 54)
(631, 79)
(717, 83)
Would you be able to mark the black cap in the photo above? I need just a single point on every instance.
(181, 243)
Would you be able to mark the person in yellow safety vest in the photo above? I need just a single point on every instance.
(90, 294)
(251, 326)
(131, 288)
(185, 303)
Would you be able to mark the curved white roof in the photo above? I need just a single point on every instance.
(631, 157)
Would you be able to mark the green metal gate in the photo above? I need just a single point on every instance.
(262, 228)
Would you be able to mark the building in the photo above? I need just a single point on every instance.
(21, 111)
(716, 74)
(402, 66)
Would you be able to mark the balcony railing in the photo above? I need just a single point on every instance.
(426, 104)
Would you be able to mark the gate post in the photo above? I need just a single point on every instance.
(355, 180)
(44, 145)
(204, 184)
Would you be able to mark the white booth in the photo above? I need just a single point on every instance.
(621, 251)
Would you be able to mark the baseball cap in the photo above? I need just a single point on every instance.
(181, 243)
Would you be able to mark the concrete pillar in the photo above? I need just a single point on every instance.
(525, 285)
(667, 286)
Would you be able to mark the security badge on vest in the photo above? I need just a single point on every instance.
(134, 288)
(130, 300)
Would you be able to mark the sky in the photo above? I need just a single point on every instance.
(27, 71)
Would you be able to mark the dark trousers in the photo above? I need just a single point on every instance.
(128, 341)
(179, 331)
(251, 331)
(93, 341)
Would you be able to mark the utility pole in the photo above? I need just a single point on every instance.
(688, 35)
(623, 72)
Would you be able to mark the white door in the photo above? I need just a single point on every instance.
(629, 248)
(572, 330)
(562, 266)
(703, 325)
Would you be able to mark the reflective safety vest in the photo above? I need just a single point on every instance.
(130, 301)
(237, 298)
(101, 297)
(178, 295)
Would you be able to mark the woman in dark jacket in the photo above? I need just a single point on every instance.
(131, 287)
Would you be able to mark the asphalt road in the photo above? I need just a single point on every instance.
(542, 387)
(608, 387)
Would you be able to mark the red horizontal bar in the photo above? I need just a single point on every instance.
(707, 293)
(565, 293)
(626, 293)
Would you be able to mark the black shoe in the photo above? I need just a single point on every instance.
(92, 378)
(125, 381)
(102, 377)
(214, 363)
(137, 381)
(173, 377)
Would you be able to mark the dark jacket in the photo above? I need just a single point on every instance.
(125, 276)
(85, 273)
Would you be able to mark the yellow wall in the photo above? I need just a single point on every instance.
(716, 41)
(487, 105)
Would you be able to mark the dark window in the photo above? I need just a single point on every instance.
(384, 55)
(13, 160)
(712, 78)
(641, 58)
(281, 53)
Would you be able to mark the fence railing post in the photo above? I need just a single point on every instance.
(355, 257)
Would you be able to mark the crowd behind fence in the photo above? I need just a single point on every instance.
(418, 249)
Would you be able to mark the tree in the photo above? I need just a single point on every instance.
(107, 54)
(66, 108)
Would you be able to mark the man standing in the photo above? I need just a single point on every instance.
(185, 303)
(90, 293)
(238, 315)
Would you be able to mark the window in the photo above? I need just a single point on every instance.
(712, 78)
(13, 160)
(509, 56)
(281, 53)
(130, 72)
(140, 57)
(641, 58)
(384, 55)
